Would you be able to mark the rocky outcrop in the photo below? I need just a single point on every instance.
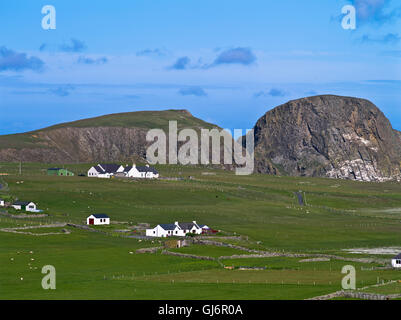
(69, 145)
(328, 136)
(110, 138)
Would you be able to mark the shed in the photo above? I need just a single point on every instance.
(59, 172)
(98, 219)
(24, 205)
(396, 261)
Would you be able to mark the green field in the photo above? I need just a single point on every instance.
(260, 210)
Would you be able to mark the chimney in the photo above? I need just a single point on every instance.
(147, 165)
(194, 222)
(133, 165)
(176, 223)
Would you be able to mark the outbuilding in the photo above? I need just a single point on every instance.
(2, 203)
(396, 261)
(59, 172)
(98, 219)
(25, 205)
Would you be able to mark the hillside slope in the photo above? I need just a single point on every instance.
(115, 137)
(328, 136)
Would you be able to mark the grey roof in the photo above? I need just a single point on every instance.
(128, 168)
(21, 203)
(187, 225)
(169, 226)
(100, 215)
(398, 256)
(108, 168)
(202, 225)
(146, 169)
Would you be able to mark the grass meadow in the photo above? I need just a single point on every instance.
(262, 209)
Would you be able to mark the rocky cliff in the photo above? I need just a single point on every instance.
(110, 138)
(75, 145)
(328, 136)
(323, 136)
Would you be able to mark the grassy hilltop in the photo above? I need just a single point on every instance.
(139, 119)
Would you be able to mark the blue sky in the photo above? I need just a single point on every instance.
(227, 62)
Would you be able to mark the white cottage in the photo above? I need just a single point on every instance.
(105, 170)
(2, 203)
(25, 205)
(98, 219)
(175, 229)
(396, 261)
(145, 172)
(163, 230)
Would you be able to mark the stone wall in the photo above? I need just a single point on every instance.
(184, 255)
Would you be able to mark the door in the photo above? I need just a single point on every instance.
(91, 221)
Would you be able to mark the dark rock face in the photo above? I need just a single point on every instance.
(89, 142)
(328, 136)
(75, 145)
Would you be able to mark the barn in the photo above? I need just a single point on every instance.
(98, 219)
(396, 261)
(59, 172)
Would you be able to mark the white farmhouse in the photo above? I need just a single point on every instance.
(145, 172)
(396, 261)
(25, 205)
(98, 219)
(105, 170)
(163, 230)
(2, 204)
(175, 229)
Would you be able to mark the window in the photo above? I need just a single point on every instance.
(398, 261)
(154, 232)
